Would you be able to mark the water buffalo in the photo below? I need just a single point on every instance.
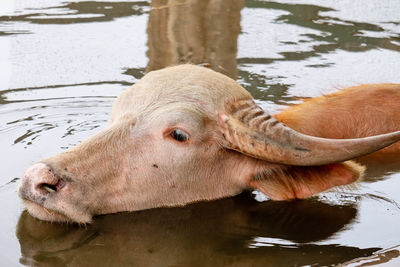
(186, 134)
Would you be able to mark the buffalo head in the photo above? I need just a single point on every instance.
(185, 134)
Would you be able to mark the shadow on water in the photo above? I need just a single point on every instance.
(221, 233)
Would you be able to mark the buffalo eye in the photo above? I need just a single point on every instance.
(179, 135)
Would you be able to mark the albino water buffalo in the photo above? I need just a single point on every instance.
(186, 133)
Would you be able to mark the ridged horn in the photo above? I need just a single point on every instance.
(247, 128)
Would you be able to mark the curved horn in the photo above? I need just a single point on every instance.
(250, 130)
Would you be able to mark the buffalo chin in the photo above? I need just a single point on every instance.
(45, 214)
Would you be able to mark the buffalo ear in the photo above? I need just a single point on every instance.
(283, 182)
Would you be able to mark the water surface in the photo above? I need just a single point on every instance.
(62, 64)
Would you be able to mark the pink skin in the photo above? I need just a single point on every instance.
(121, 170)
(164, 147)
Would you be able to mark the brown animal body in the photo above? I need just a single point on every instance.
(358, 111)
(186, 134)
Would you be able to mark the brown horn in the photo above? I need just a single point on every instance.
(250, 130)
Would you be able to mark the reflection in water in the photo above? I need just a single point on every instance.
(194, 31)
(380, 166)
(4, 93)
(63, 110)
(206, 31)
(335, 33)
(380, 258)
(219, 233)
(81, 12)
(237, 231)
(262, 87)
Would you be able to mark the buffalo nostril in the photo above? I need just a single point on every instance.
(42, 179)
(48, 187)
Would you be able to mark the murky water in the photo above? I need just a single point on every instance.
(62, 64)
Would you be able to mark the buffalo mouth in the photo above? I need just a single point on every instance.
(45, 214)
(53, 208)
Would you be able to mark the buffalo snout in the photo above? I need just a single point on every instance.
(40, 182)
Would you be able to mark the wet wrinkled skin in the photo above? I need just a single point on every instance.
(201, 234)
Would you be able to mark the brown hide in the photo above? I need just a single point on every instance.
(358, 111)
